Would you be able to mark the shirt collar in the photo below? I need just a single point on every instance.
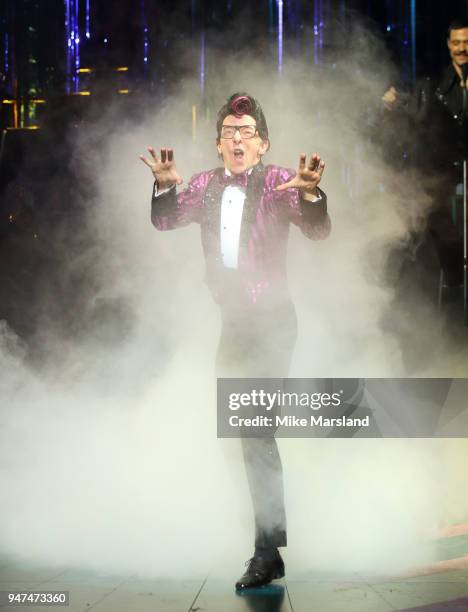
(229, 173)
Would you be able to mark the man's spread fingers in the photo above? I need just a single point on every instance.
(153, 154)
(313, 161)
(302, 161)
(163, 155)
(283, 187)
(146, 161)
(170, 155)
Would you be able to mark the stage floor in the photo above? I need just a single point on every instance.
(440, 587)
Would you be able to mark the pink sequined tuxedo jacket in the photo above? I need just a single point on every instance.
(260, 277)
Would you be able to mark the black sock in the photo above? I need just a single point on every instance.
(267, 552)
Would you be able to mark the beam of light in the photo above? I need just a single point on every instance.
(68, 43)
(280, 36)
(316, 31)
(6, 53)
(413, 40)
(202, 62)
(77, 40)
(72, 33)
(320, 42)
(144, 27)
(88, 32)
(73, 44)
(326, 19)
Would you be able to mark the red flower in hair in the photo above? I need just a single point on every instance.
(241, 106)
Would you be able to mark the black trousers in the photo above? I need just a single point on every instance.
(448, 241)
(258, 342)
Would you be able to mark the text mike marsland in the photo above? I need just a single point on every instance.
(294, 421)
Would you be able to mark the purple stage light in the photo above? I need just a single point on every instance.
(316, 31)
(77, 41)
(6, 63)
(144, 27)
(72, 33)
(88, 33)
(280, 36)
(69, 50)
(202, 63)
(320, 26)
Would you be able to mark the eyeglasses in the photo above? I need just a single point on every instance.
(246, 131)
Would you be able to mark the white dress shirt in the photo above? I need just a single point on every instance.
(232, 207)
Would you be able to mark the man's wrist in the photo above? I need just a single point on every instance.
(311, 196)
(162, 186)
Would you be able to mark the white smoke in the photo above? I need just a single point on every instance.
(109, 450)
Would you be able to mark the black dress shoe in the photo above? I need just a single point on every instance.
(261, 570)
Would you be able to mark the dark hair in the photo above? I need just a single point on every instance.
(458, 24)
(242, 104)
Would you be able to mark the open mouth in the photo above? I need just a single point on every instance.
(238, 154)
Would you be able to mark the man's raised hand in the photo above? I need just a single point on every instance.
(390, 98)
(307, 177)
(163, 168)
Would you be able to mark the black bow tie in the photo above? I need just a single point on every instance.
(235, 179)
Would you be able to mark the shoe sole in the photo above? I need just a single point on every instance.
(256, 586)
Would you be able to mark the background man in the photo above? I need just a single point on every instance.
(453, 80)
(244, 210)
(439, 113)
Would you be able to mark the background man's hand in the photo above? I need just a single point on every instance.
(163, 168)
(390, 98)
(307, 177)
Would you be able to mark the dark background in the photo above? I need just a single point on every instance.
(33, 48)
(44, 202)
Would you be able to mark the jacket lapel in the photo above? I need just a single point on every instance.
(252, 201)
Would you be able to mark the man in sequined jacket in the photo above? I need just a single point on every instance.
(244, 210)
